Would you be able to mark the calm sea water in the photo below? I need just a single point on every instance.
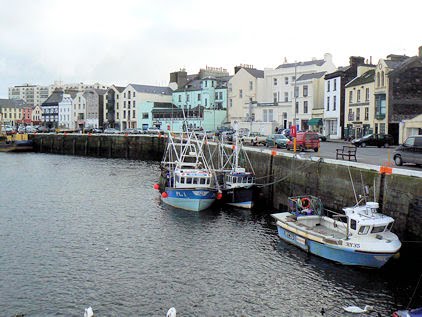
(78, 232)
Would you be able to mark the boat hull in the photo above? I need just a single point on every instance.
(189, 199)
(334, 252)
(239, 197)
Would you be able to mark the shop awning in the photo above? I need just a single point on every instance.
(315, 121)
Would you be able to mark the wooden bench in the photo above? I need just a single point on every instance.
(346, 151)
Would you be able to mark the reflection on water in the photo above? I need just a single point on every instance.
(79, 232)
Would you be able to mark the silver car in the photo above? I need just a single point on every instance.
(410, 151)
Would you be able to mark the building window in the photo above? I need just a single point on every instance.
(358, 95)
(180, 98)
(305, 91)
(351, 96)
(270, 115)
(212, 83)
(275, 81)
(378, 79)
(286, 97)
(382, 79)
(382, 128)
(334, 103)
(128, 94)
(328, 85)
(357, 114)
(199, 97)
(230, 87)
(328, 103)
(206, 102)
(187, 98)
(335, 84)
(286, 80)
(240, 93)
(305, 106)
(205, 83)
(216, 95)
(124, 114)
(124, 95)
(117, 115)
(367, 94)
(124, 104)
(250, 85)
(128, 104)
(297, 107)
(221, 95)
(231, 102)
(133, 114)
(134, 104)
(275, 97)
(145, 115)
(351, 115)
(366, 113)
(133, 94)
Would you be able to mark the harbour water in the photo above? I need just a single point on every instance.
(78, 232)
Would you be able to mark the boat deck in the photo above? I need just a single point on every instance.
(318, 228)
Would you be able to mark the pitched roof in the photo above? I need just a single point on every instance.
(365, 78)
(311, 76)
(158, 90)
(54, 98)
(119, 88)
(101, 91)
(318, 62)
(12, 103)
(255, 72)
(411, 62)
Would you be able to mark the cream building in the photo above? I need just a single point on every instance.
(36, 114)
(11, 111)
(360, 103)
(245, 88)
(132, 96)
(280, 84)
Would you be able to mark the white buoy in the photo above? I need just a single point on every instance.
(89, 312)
(358, 310)
(171, 312)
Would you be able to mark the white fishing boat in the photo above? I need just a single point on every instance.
(361, 236)
(238, 185)
(187, 182)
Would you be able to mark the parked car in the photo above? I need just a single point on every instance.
(374, 140)
(138, 131)
(97, 130)
(21, 130)
(42, 129)
(409, 152)
(111, 131)
(30, 129)
(254, 138)
(228, 135)
(128, 131)
(278, 140)
(152, 130)
(322, 138)
(305, 141)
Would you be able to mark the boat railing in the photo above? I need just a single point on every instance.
(338, 216)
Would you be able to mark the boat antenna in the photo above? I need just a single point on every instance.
(374, 190)
(353, 186)
(363, 187)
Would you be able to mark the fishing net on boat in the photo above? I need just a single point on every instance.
(305, 205)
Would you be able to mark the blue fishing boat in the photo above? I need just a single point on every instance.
(187, 181)
(361, 236)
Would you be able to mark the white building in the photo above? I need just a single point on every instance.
(78, 110)
(65, 112)
(36, 114)
(33, 95)
(246, 87)
(280, 84)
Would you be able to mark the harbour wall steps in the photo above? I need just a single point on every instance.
(281, 174)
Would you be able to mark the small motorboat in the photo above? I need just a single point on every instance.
(417, 312)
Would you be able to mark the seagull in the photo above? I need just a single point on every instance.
(358, 310)
(171, 312)
(89, 312)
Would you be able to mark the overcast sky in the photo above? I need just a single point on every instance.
(121, 42)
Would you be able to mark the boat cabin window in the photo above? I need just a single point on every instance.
(203, 181)
(189, 180)
(378, 229)
(364, 229)
(182, 180)
(196, 180)
(389, 226)
(353, 224)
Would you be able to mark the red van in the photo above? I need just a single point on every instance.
(305, 141)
